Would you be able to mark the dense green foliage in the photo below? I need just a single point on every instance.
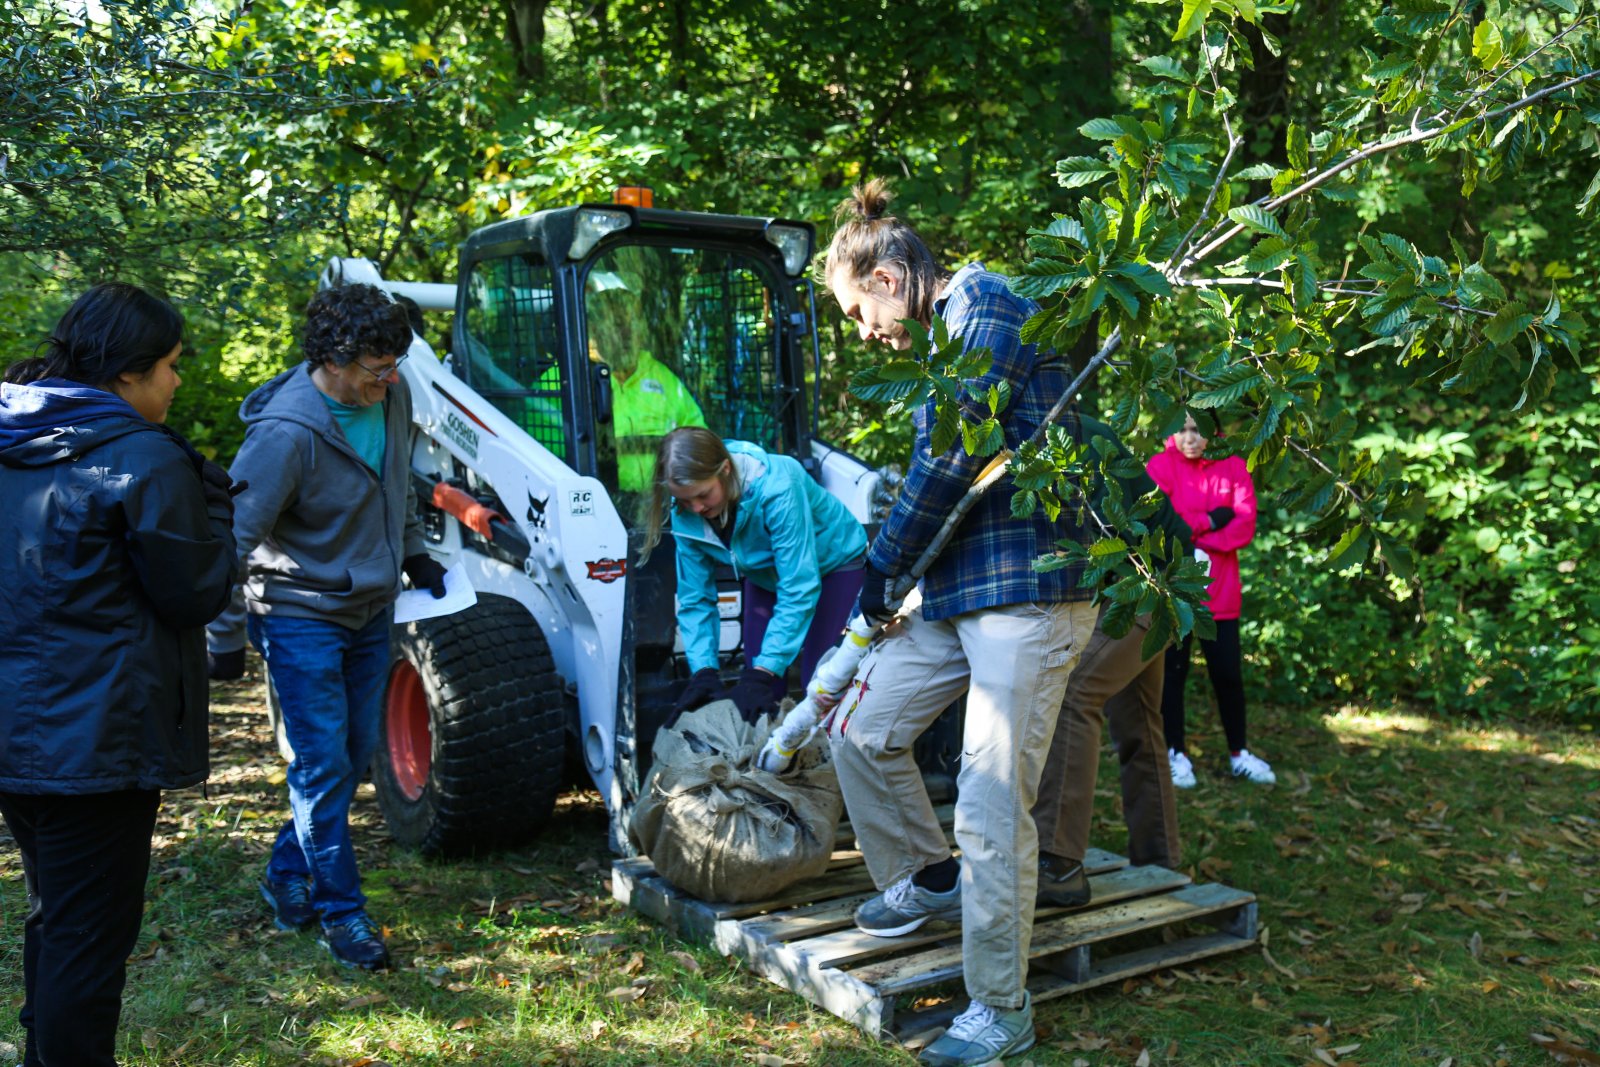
(1414, 325)
(1278, 296)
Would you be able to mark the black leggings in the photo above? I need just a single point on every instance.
(1225, 664)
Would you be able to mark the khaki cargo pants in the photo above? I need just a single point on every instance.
(1112, 684)
(1013, 663)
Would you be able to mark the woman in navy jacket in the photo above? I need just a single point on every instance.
(117, 552)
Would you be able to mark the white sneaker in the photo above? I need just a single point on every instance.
(1252, 768)
(1182, 769)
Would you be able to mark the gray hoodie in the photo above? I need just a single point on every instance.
(320, 535)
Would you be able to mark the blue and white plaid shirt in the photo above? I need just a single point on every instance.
(989, 561)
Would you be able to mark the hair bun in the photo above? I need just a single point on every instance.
(869, 202)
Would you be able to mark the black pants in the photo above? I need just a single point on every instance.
(1225, 664)
(84, 860)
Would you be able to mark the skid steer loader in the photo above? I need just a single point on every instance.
(530, 472)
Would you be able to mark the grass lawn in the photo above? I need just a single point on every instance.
(1430, 894)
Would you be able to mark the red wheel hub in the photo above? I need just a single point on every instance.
(408, 729)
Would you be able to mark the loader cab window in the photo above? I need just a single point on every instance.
(509, 349)
(688, 336)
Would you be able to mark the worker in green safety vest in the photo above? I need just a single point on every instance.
(649, 401)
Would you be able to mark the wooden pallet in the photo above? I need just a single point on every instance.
(1142, 919)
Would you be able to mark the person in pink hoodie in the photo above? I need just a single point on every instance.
(1218, 501)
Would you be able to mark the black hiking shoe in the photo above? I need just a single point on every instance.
(356, 942)
(1062, 883)
(291, 903)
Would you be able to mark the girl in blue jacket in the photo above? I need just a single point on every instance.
(797, 549)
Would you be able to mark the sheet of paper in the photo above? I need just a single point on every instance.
(415, 604)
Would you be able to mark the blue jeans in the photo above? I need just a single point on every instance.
(330, 683)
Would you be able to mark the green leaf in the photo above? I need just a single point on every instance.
(1257, 172)
(946, 427)
(1108, 547)
(1390, 67)
(1101, 129)
(1299, 150)
(1193, 17)
(1258, 219)
(1589, 194)
(1165, 67)
(1145, 277)
(1080, 170)
(1397, 556)
(869, 384)
(1223, 395)
(1487, 46)
(1305, 283)
(1351, 550)
(1124, 295)
(1507, 323)
(1158, 636)
(901, 370)
(1536, 386)
(1068, 228)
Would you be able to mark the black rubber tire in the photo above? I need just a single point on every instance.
(498, 732)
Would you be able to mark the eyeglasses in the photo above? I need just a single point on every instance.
(382, 374)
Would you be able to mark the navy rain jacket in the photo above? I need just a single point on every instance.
(111, 564)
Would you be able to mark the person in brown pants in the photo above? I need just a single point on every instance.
(1113, 683)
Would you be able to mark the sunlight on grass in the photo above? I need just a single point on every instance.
(1577, 749)
(1429, 891)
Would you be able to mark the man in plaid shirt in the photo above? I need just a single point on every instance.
(988, 625)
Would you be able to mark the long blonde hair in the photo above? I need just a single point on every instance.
(687, 455)
(868, 235)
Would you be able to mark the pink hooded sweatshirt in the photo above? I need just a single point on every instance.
(1195, 487)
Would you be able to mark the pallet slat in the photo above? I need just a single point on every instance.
(943, 964)
(804, 939)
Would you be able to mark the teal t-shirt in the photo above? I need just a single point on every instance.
(362, 427)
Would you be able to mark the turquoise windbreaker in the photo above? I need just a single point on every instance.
(787, 534)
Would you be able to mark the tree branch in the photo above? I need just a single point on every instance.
(1416, 136)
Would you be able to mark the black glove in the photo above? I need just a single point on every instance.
(225, 666)
(757, 693)
(705, 685)
(876, 603)
(215, 483)
(1220, 517)
(425, 572)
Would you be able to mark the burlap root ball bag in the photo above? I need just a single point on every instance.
(717, 826)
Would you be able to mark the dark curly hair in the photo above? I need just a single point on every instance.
(351, 322)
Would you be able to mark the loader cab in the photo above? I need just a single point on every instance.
(600, 328)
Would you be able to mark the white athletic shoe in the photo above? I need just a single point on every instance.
(1252, 768)
(1182, 769)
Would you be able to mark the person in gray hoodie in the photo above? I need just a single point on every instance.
(325, 532)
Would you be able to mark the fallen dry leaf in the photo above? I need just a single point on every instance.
(626, 994)
(363, 1001)
(1565, 1051)
(686, 961)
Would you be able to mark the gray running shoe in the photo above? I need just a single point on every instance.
(905, 906)
(982, 1035)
